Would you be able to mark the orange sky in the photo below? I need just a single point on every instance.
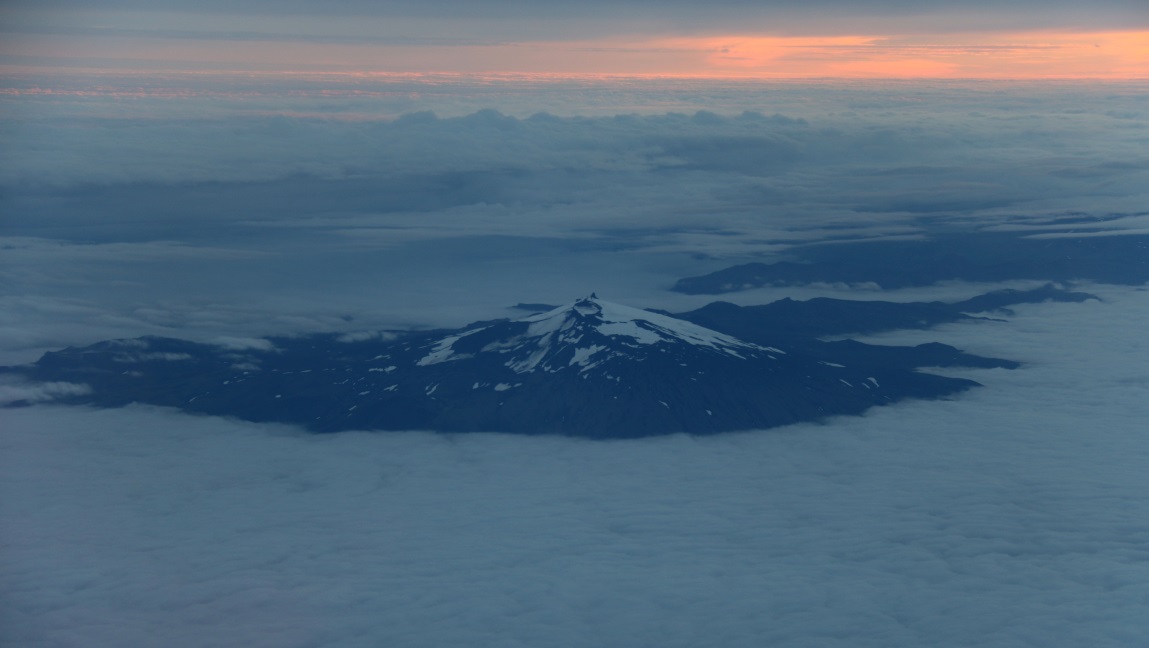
(1029, 55)
(1026, 55)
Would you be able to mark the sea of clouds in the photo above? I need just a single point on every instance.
(201, 206)
(1012, 515)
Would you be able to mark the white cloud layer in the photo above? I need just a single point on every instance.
(1014, 515)
(25, 392)
(224, 209)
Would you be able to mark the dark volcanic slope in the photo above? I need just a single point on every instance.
(591, 369)
(985, 256)
(790, 320)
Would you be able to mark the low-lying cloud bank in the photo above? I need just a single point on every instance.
(37, 392)
(1014, 515)
(219, 213)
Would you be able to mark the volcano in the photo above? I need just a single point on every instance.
(591, 368)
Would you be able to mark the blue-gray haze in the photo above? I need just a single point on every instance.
(1012, 515)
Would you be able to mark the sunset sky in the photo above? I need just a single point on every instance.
(240, 173)
(1028, 39)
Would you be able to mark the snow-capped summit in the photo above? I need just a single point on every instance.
(585, 334)
(641, 326)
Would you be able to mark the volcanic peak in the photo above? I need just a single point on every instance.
(574, 333)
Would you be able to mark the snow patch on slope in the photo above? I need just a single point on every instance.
(443, 351)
